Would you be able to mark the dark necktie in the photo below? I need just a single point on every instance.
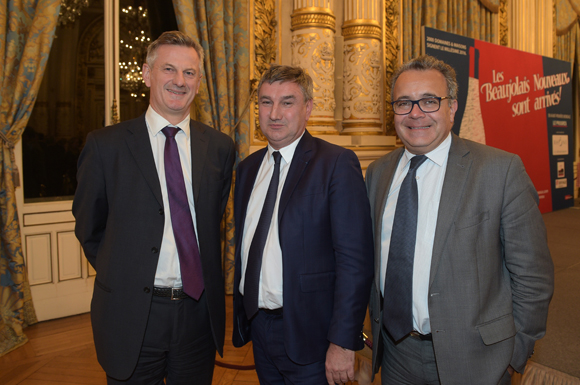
(254, 266)
(398, 302)
(185, 239)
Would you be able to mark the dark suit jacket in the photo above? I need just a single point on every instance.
(325, 235)
(119, 221)
(491, 274)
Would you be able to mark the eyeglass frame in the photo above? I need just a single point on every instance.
(413, 102)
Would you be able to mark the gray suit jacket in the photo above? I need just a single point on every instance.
(491, 274)
(119, 221)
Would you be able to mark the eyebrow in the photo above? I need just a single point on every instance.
(192, 69)
(286, 97)
(425, 95)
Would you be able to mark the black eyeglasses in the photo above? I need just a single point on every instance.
(430, 104)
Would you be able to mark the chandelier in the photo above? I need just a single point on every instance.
(70, 10)
(133, 49)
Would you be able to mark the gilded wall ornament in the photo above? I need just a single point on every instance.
(503, 24)
(264, 48)
(313, 17)
(354, 31)
(363, 80)
(391, 46)
(313, 50)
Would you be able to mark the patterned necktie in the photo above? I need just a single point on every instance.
(254, 266)
(185, 239)
(398, 301)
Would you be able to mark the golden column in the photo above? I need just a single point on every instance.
(362, 71)
(313, 29)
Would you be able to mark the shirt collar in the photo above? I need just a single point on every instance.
(437, 156)
(286, 152)
(156, 122)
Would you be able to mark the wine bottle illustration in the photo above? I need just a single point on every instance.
(472, 123)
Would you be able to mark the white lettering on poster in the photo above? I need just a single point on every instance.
(499, 90)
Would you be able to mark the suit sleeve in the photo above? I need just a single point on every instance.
(353, 248)
(528, 261)
(90, 206)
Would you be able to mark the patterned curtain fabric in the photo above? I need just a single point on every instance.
(567, 30)
(568, 45)
(567, 13)
(470, 18)
(26, 35)
(221, 26)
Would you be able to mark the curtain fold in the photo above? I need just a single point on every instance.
(26, 34)
(566, 15)
(221, 27)
(568, 44)
(471, 18)
(567, 31)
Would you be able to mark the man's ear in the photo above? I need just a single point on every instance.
(147, 74)
(309, 105)
(452, 110)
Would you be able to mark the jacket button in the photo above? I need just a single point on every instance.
(146, 290)
(161, 212)
(154, 250)
(376, 320)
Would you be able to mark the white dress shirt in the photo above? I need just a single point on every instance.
(270, 292)
(168, 272)
(430, 177)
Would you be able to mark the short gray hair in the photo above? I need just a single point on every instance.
(173, 38)
(283, 73)
(424, 63)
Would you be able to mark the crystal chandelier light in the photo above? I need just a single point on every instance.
(70, 10)
(133, 46)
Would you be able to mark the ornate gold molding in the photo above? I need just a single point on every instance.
(554, 31)
(503, 24)
(114, 113)
(265, 48)
(361, 28)
(361, 125)
(391, 58)
(313, 17)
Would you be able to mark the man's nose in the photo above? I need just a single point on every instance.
(416, 111)
(179, 79)
(275, 112)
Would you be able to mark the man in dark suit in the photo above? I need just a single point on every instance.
(303, 274)
(150, 198)
(466, 275)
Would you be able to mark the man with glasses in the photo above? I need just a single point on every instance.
(463, 274)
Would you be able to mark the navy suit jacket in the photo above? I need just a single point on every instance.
(119, 221)
(327, 249)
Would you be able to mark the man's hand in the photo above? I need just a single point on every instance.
(339, 365)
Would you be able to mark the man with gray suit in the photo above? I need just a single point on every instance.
(463, 274)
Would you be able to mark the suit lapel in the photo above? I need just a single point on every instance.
(140, 146)
(199, 145)
(304, 152)
(383, 186)
(458, 166)
(385, 179)
(246, 183)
